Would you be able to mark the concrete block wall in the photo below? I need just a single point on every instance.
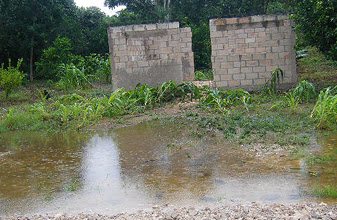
(246, 50)
(150, 53)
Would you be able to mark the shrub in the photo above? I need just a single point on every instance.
(53, 57)
(11, 78)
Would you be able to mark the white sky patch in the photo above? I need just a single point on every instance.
(99, 4)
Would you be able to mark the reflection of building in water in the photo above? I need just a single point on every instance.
(166, 171)
(101, 169)
(176, 168)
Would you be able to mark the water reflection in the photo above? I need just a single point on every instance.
(177, 168)
(102, 187)
(135, 167)
(325, 166)
(33, 165)
(101, 169)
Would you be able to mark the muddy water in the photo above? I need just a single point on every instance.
(137, 167)
(324, 169)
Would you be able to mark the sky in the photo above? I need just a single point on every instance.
(99, 4)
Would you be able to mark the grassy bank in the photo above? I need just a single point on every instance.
(237, 113)
(234, 112)
(317, 69)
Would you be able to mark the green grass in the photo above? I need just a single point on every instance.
(238, 115)
(316, 69)
(260, 126)
(72, 186)
(325, 191)
(320, 159)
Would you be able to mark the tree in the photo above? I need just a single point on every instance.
(93, 39)
(317, 22)
(28, 25)
(150, 11)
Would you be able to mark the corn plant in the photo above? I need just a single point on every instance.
(105, 70)
(215, 98)
(325, 110)
(144, 94)
(63, 114)
(305, 91)
(292, 100)
(233, 96)
(166, 92)
(72, 98)
(188, 89)
(120, 102)
(91, 112)
(270, 87)
(246, 100)
(97, 107)
(72, 78)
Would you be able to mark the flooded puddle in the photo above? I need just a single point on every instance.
(137, 167)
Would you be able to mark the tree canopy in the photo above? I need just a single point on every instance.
(28, 27)
(317, 22)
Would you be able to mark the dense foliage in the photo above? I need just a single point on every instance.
(29, 28)
(317, 22)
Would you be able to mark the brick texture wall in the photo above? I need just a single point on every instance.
(246, 50)
(150, 53)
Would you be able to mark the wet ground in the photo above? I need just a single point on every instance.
(151, 163)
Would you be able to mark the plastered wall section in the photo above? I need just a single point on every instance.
(246, 50)
(151, 54)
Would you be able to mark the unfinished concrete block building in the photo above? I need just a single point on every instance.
(246, 50)
(150, 53)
